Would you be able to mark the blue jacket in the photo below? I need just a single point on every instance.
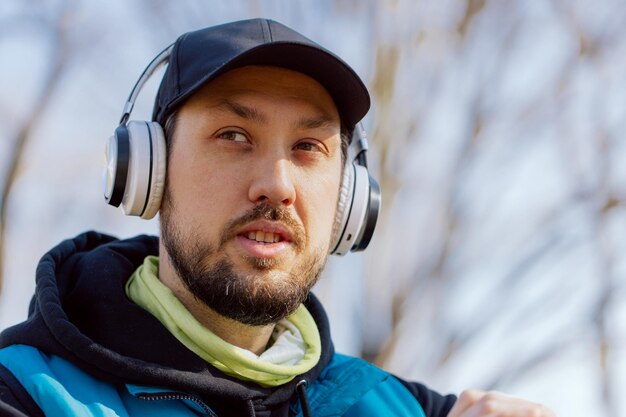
(86, 350)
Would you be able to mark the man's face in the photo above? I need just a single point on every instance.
(252, 186)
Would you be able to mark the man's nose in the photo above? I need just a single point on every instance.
(273, 182)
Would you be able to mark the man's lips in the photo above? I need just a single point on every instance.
(265, 239)
(266, 231)
(266, 225)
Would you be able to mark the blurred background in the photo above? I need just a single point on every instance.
(496, 133)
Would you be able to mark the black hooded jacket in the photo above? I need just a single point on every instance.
(80, 312)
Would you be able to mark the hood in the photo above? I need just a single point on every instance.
(80, 312)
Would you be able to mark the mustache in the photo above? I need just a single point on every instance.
(266, 211)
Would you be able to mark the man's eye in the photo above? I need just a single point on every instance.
(234, 136)
(308, 146)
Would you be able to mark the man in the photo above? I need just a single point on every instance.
(260, 188)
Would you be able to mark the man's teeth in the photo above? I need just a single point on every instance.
(266, 237)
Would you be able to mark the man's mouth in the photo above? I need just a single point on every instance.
(265, 240)
(266, 231)
(264, 237)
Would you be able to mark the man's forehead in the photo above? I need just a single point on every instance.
(245, 91)
(316, 118)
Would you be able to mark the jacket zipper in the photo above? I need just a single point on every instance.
(177, 396)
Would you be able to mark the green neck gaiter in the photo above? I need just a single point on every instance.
(295, 351)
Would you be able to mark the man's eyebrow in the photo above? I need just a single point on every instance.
(242, 111)
(321, 121)
(250, 113)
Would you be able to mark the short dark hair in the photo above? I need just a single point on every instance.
(168, 130)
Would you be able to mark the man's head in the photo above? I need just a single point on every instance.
(256, 117)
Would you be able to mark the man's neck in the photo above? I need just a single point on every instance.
(252, 338)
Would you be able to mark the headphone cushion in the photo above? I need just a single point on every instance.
(345, 195)
(159, 168)
(355, 209)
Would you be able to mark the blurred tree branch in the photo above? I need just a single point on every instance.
(540, 116)
(57, 29)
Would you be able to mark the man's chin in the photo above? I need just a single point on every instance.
(262, 264)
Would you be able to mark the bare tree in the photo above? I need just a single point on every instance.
(54, 28)
(479, 54)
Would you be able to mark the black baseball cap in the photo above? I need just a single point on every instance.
(202, 55)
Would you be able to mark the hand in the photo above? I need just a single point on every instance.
(475, 403)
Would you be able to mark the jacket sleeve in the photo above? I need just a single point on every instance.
(433, 403)
(14, 400)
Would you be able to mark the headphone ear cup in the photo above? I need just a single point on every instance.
(371, 216)
(354, 212)
(136, 174)
(158, 172)
(117, 159)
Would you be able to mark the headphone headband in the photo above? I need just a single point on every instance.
(156, 62)
(136, 169)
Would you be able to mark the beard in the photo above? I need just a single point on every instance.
(260, 297)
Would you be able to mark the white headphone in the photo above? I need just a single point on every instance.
(136, 167)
